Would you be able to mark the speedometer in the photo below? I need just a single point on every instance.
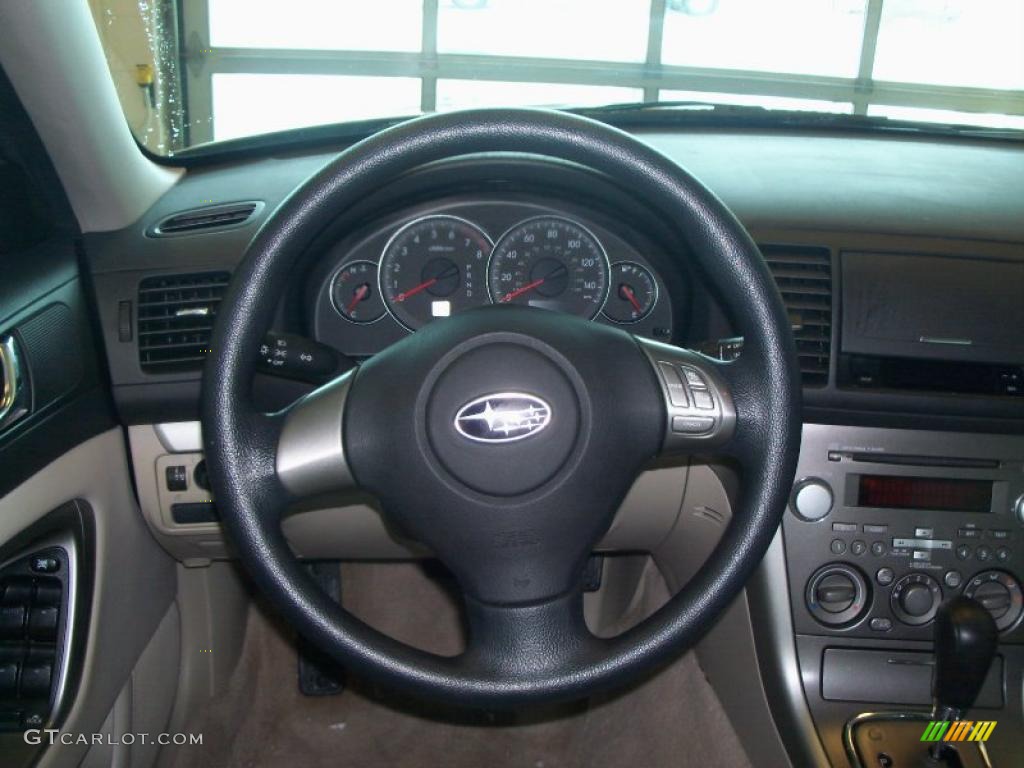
(550, 262)
(433, 267)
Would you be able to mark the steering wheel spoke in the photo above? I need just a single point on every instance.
(310, 454)
(511, 642)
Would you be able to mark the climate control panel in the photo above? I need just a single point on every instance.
(881, 530)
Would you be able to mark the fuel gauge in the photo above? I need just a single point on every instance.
(633, 293)
(354, 292)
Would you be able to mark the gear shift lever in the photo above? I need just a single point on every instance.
(965, 643)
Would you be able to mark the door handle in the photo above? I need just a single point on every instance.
(14, 391)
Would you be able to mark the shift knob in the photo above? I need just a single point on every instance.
(965, 643)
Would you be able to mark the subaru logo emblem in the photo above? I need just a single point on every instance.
(503, 417)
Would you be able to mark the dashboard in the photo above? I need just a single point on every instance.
(900, 261)
(426, 263)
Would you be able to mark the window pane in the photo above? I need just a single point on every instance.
(460, 94)
(952, 42)
(947, 116)
(770, 102)
(246, 105)
(812, 37)
(384, 25)
(556, 29)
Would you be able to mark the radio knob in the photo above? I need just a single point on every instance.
(1000, 594)
(915, 599)
(836, 594)
(812, 499)
(1018, 509)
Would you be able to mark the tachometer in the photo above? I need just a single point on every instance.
(434, 267)
(552, 263)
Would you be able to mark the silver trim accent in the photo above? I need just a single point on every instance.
(866, 717)
(775, 642)
(575, 223)
(180, 436)
(15, 396)
(311, 449)
(938, 340)
(533, 418)
(409, 225)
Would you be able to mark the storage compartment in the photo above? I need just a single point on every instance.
(893, 677)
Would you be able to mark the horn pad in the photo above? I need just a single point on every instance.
(503, 416)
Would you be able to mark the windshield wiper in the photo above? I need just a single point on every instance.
(705, 113)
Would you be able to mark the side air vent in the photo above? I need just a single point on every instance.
(804, 277)
(213, 217)
(176, 314)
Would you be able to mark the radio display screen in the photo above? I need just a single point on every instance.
(928, 493)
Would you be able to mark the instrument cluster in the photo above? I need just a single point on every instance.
(423, 267)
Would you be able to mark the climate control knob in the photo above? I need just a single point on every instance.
(1000, 594)
(836, 594)
(915, 598)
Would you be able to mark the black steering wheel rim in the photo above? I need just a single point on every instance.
(764, 382)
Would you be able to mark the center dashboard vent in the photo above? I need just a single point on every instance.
(804, 277)
(176, 315)
(225, 216)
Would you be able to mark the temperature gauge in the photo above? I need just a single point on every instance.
(633, 293)
(354, 292)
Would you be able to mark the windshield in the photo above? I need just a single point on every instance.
(193, 72)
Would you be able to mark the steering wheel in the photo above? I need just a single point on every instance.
(504, 438)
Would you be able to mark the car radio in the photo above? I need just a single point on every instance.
(884, 525)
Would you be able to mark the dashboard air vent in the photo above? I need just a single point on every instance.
(804, 277)
(212, 217)
(176, 314)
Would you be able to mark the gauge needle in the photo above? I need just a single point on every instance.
(627, 293)
(358, 295)
(520, 291)
(413, 291)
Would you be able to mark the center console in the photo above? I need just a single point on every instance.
(883, 527)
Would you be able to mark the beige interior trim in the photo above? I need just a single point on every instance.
(52, 54)
(134, 580)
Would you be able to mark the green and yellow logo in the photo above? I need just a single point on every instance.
(964, 730)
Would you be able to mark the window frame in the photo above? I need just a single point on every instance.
(200, 61)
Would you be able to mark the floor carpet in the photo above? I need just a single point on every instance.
(262, 721)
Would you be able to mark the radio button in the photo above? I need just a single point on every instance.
(969, 533)
(1002, 554)
(858, 548)
(999, 535)
(924, 533)
(881, 624)
(838, 546)
(963, 552)
(812, 499)
(953, 579)
(983, 553)
(877, 548)
(922, 556)
(870, 528)
(844, 527)
(885, 576)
